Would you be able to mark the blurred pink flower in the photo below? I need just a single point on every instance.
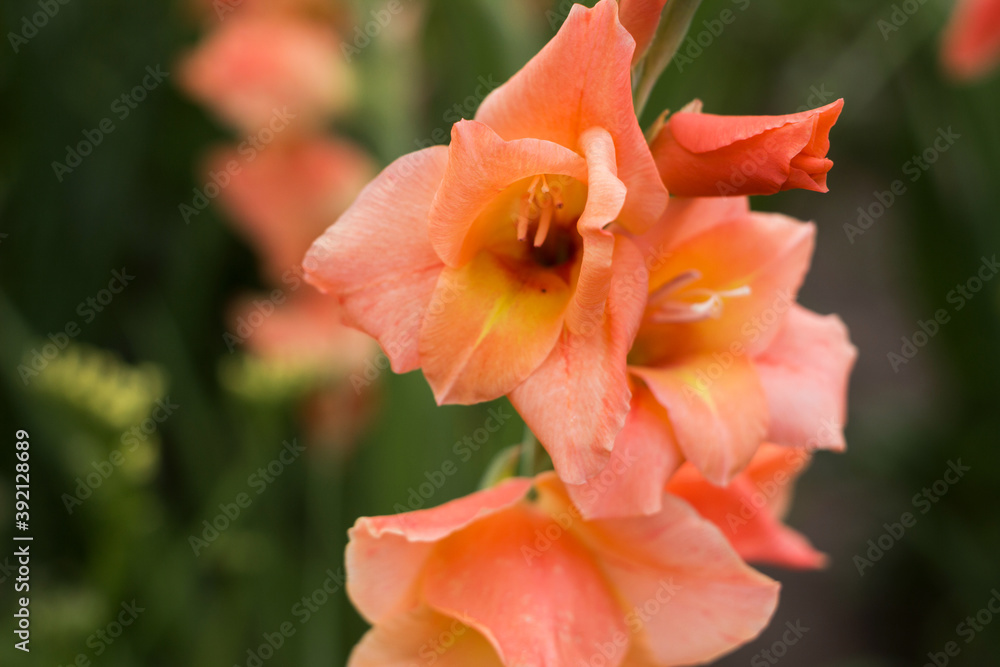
(300, 327)
(972, 40)
(509, 580)
(288, 194)
(254, 68)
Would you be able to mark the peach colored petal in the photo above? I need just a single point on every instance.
(718, 412)
(579, 80)
(641, 18)
(423, 637)
(605, 196)
(386, 554)
(749, 510)
(689, 596)
(480, 166)
(685, 219)
(488, 327)
(643, 458)
(288, 194)
(755, 264)
(705, 155)
(972, 40)
(254, 69)
(376, 258)
(540, 601)
(805, 372)
(577, 400)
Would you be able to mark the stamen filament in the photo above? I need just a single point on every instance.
(543, 224)
(668, 306)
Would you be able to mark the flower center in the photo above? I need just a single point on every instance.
(545, 216)
(675, 302)
(538, 206)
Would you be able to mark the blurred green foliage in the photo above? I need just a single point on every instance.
(131, 538)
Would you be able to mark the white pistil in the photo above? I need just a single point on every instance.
(668, 308)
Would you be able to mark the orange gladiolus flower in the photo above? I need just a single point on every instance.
(724, 359)
(749, 510)
(704, 155)
(488, 263)
(261, 72)
(508, 581)
(286, 195)
(972, 41)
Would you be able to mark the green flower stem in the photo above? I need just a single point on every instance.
(503, 466)
(674, 25)
(529, 452)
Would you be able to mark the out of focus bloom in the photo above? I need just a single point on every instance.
(704, 155)
(749, 510)
(221, 10)
(972, 40)
(511, 580)
(255, 71)
(488, 264)
(305, 330)
(724, 359)
(288, 194)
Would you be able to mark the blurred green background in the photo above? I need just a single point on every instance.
(162, 337)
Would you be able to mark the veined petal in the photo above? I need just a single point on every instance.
(480, 166)
(752, 265)
(749, 510)
(577, 400)
(415, 637)
(804, 372)
(386, 554)
(706, 155)
(579, 80)
(541, 604)
(644, 456)
(376, 259)
(605, 196)
(718, 411)
(489, 325)
(685, 219)
(707, 600)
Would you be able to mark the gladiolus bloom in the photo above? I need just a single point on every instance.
(284, 197)
(305, 328)
(488, 264)
(259, 72)
(749, 510)
(704, 155)
(972, 41)
(724, 359)
(509, 580)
